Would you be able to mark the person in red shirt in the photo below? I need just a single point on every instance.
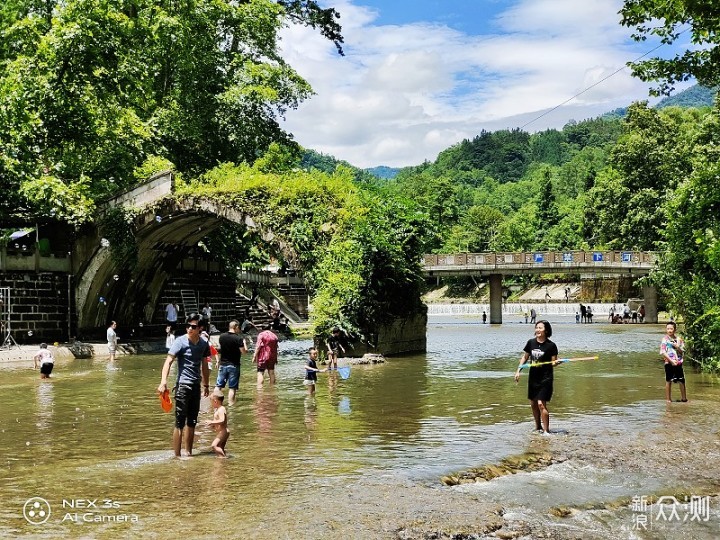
(265, 356)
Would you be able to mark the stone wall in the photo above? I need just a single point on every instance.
(607, 289)
(295, 296)
(398, 337)
(38, 310)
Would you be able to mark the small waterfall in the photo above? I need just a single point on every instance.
(518, 308)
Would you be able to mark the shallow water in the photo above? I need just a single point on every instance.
(97, 432)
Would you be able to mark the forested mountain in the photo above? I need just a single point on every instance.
(384, 172)
(312, 160)
(506, 155)
(695, 96)
(594, 184)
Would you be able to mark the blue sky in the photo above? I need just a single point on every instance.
(470, 16)
(420, 76)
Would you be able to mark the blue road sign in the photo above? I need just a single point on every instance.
(626, 256)
(597, 256)
(538, 257)
(567, 257)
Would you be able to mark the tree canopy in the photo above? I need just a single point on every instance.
(359, 253)
(668, 21)
(91, 89)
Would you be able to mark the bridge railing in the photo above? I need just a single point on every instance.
(543, 258)
(31, 260)
(258, 277)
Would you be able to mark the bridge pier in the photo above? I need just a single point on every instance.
(651, 305)
(495, 298)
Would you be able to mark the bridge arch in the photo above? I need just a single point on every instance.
(164, 233)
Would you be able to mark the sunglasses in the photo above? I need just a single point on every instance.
(193, 326)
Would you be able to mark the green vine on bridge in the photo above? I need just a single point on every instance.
(117, 226)
(359, 253)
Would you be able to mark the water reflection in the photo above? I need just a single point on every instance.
(311, 415)
(265, 408)
(45, 395)
(344, 405)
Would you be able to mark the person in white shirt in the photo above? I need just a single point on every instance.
(44, 358)
(171, 314)
(112, 340)
(169, 337)
(207, 313)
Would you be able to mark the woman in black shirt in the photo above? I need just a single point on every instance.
(542, 354)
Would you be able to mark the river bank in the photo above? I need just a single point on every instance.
(61, 352)
(419, 512)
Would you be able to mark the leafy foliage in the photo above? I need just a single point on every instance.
(668, 21)
(359, 252)
(90, 89)
(691, 270)
(117, 227)
(325, 163)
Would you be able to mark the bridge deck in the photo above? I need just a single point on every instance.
(540, 262)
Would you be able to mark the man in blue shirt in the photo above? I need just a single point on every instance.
(190, 352)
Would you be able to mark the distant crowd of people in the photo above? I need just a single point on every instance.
(626, 315)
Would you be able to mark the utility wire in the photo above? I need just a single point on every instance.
(599, 82)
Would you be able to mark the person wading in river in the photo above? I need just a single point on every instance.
(540, 350)
(672, 349)
(190, 351)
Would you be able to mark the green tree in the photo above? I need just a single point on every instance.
(577, 175)
(438, 196)
(668, 21)
(517, 232)
(476, 230)
(90, 88)
(547, 209)
(567, 233)
(690, 270)
(689, 273)
(626, 205)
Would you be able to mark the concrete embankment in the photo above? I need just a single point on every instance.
(61, 351)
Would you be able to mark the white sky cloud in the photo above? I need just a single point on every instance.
(403, 93)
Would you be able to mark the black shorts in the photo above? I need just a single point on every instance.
(541, 390)
(270, 366)
(46, 368)
(187, 405)
(674, 373)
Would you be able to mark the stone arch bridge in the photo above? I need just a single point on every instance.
(165, 228)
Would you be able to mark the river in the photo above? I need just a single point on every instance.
(365, 456)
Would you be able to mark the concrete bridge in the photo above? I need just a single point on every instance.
(495, 265)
